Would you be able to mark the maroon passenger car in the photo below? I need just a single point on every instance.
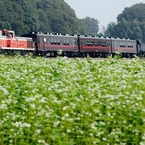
(95, 46)
(127, 47)
(48, 43)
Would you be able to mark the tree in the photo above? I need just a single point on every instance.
(136, 11)
(24, 16)
(110, 31)
(130, 23)
(91, 25)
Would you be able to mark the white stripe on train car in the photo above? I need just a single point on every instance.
(12, 48)
(23, 38)
(17, 38)
(3, 38)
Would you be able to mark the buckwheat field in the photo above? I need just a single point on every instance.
(72, 101)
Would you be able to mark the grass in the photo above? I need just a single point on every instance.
(72, 101)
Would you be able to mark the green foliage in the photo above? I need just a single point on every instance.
(36, 15)
(71, 101)
(136, 11)
(118, 55)
(91, 25)
(130, 23)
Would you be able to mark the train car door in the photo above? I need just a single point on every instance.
(41, 43)
(112, 46)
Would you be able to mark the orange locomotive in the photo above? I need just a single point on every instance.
(9, 41)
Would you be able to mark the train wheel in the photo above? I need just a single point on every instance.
(131, 55)
(104, 55)
(113, 54)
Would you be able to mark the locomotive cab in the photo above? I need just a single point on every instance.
(8, 34)
(9, 41)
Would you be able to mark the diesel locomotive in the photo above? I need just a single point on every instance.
(49, 44)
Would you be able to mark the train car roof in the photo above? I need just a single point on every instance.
(29, 35)
(122, 39)
(94, 37)
(57, 35)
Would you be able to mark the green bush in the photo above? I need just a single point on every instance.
(71, 101)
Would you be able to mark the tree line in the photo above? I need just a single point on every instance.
(25, 16)
(130, 23)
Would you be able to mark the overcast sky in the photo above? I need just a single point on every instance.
(105, 11)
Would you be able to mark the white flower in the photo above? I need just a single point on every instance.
(3, 106)
(142, 143)
(21, 124)
(30, 99)
(38, 131)
(17, 124)
(68, 130)
(70, 119)
(91, 134)
(32, 105)
(64, 108)
(42, 141)
(43, 100)
(104, 139)
(6, 92)
(56, 123)
(26, 125)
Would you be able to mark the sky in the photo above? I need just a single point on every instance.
(105, 11)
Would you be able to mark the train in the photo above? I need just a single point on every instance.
(48, 44)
